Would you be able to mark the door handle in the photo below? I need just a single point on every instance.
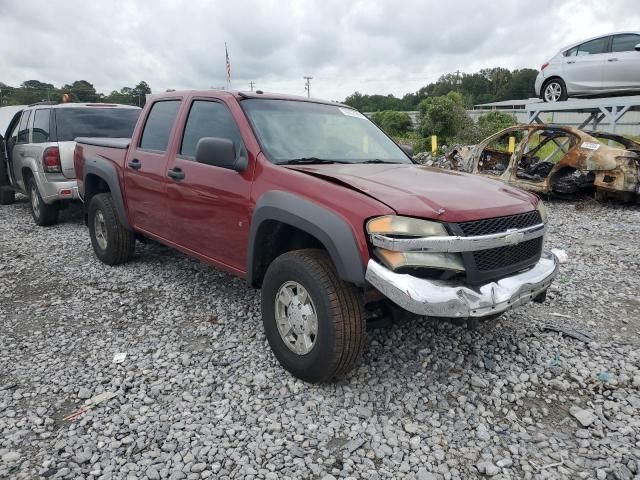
(612, 60)
(176, 173)
(570, 62)
(135, 164)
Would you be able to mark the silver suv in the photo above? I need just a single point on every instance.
(37, 151)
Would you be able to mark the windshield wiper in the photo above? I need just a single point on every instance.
(377, 160)
(307, 160)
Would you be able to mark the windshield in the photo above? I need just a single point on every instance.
(95, 122)
(291, 131)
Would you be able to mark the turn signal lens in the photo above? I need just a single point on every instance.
(412, 227)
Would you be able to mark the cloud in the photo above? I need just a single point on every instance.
(370, 46)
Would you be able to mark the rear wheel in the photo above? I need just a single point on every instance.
(43, 214)
(554, 91)
(112, 242)
(314, 321)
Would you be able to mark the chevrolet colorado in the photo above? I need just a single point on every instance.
(309, 201)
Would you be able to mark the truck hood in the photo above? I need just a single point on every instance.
(426, 192)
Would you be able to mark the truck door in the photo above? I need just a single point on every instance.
(145, 169)
(209, 211)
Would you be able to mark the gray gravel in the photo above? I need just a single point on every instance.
(199, 394)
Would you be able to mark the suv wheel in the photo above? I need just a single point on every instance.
(314, 321)
(112, 242)
(554, 91)
(43, 214)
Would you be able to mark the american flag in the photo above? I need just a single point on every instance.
(226, 52)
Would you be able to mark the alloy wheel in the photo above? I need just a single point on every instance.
(553, 92)
(35, 201)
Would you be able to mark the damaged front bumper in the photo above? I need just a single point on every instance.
(437, 298)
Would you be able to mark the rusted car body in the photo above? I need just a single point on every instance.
(556, 160)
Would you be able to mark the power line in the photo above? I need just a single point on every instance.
(252, 84)
(307, 87)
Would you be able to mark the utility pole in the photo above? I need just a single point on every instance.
(252, 84)
(458, 80)
(307, 86)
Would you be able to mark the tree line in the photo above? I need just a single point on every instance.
(33, 91)
(487, 85)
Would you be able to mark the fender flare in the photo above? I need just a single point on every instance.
(331, 230)
(106, 170)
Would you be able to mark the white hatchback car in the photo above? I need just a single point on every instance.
(602, 65)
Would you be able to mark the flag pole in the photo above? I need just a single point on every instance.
(227, 65)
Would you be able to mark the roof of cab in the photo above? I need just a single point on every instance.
(240, 95)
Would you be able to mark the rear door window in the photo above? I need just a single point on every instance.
(157, 129)
(593, 47)
(208, 119)
(23, 130)
(625, 43)
(101, 122)
(42, 126)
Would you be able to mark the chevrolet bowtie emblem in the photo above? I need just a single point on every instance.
(513, 237)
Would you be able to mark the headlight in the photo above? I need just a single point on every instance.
(543, 211)
(397, 226)
(411, 227)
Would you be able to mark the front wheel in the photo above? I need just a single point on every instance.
(112, 242)
(43, 214)
(554, 90)
(314, 321)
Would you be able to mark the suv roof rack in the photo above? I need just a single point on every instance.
(52, 102)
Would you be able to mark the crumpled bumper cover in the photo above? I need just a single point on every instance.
(436, 298)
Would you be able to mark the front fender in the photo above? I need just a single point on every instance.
(331, 230)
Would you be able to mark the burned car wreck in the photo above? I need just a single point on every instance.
(556, 160)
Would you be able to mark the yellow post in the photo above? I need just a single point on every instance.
(512, 144)
(434, 144)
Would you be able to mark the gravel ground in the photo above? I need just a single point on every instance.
(200, 395)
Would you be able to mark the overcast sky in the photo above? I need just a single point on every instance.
(373, 46)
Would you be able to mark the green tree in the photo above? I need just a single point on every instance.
(444, 116)
(493, 122)
(82, 91)
(392, 122)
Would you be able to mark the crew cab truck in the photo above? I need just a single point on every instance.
(309, 201)
(36, 152)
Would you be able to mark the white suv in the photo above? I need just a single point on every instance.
(37, 150)
(601, 65)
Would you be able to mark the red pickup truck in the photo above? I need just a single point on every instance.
(311, 202)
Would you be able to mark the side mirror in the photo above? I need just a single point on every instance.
(637, 48)
(219, 152)
(408, 149)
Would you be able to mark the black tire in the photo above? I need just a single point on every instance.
(119, 243)
(43, 214)
(341, 325)
(7, 197)
(559, 83)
